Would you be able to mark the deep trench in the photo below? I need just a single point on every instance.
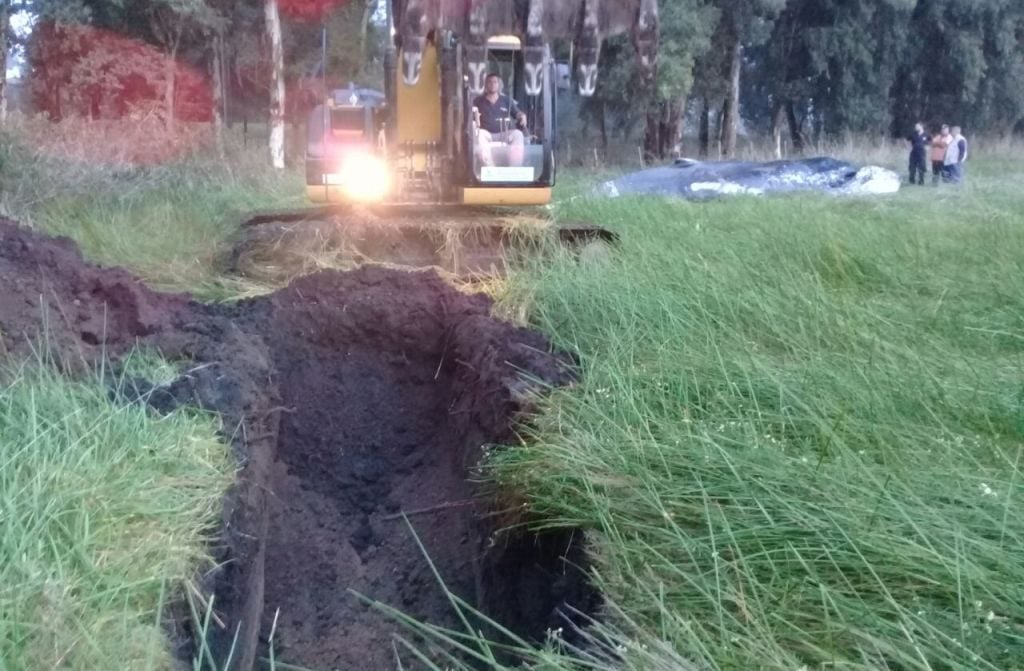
(381, 426)
(348, 399)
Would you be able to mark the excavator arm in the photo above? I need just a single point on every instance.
(586, 23)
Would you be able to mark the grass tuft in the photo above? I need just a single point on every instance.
(105, 509)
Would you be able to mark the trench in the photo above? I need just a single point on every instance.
(348, 399)
(387, 397)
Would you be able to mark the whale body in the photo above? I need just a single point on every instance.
(699, 180)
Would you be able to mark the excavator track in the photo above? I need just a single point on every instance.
(465, 243)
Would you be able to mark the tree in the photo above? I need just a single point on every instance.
(5, 24)
(686, 33)
(784, 71)
(980, 76)
(624, 101)
(277, 99)
(171, 21)
(741, 24)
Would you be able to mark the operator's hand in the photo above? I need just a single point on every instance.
(521, 119)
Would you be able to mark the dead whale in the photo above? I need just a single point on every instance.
(699, 180)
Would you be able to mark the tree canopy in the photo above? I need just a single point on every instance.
(817, 69)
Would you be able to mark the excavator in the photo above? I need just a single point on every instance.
(414, 145)
(398, 177)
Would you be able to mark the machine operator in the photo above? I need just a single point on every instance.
(493, 112)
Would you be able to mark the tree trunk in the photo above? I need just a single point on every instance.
(719, 127)
(4, 21)
(664, 113)
(731, 108)
(704, 138)
(225, 81)
(170, 74)
(675, 126)
(218, 94)
(364, 28)
(277, 103)
(796, 136)
(652, 133)
(603, 126)
(778, 116)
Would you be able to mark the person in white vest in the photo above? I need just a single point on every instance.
(956, 154)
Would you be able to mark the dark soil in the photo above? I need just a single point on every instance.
(354, 401)
(49, 294)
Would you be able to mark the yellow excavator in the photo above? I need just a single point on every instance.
(414, 145)
(396, 177)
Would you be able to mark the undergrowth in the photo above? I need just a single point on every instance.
(167, 222)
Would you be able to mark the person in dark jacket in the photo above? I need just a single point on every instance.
(919, 141)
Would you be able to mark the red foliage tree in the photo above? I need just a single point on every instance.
(308, 10)
(79, 70)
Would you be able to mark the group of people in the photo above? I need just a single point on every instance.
(948, 152)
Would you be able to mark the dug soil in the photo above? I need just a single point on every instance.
(358, 406)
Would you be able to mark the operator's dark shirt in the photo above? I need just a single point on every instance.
(491, 114)
(918, 142)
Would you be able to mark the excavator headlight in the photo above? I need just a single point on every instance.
(362, 176)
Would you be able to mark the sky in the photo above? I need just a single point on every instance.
(21, 23)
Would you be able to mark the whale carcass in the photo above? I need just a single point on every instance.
(698, 180)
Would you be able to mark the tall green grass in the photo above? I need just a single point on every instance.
(165, 222)
(105, 512)
(799, 436)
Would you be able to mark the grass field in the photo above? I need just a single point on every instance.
(798, 440)
(799, 437)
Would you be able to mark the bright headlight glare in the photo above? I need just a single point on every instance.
(364, 177)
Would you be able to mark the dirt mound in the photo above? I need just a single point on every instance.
(50, 294)
(353, 401)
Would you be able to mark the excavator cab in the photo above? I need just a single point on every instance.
(502, 178)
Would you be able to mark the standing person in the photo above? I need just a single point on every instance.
(956, 154)
(939, 144)
(918, 142)
(961, 145)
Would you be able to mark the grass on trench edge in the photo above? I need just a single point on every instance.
(107, 510)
